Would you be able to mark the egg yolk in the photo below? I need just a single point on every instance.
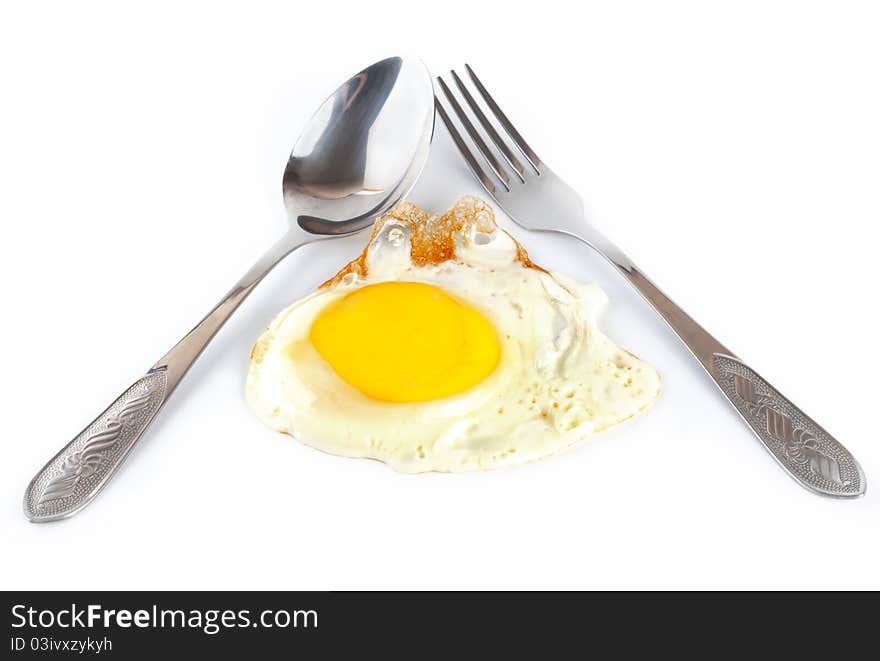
(406, 342)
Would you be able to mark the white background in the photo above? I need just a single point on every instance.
(730, 148)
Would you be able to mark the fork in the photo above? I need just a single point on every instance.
(530, 193)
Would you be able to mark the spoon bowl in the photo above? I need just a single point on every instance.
(362, 150)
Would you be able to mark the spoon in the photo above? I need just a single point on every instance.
(361, 152)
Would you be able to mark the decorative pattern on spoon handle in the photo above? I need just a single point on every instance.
(807, 451)
(76, 474)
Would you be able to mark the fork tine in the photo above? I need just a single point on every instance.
(496, 167)
(463, 148)
(502, 119)
(490, 130)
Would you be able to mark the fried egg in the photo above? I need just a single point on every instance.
(442, 347)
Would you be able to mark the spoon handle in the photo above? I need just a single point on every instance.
(74, 476)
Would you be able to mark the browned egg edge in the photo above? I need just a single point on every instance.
(432, 239)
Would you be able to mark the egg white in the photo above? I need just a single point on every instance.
(559, 379)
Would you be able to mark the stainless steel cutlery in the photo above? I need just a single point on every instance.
(359, 155)
(535, 198)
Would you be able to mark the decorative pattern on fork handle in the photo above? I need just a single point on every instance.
(810, 453)
(75, 475)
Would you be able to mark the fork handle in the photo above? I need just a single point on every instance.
(806, 451)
